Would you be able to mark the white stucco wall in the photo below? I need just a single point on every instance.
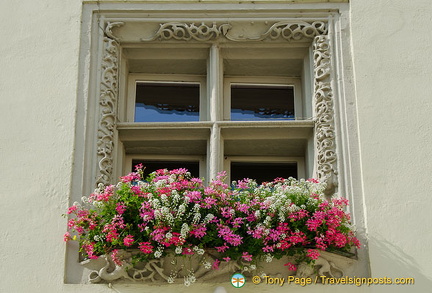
(391, 47)
(38, 88)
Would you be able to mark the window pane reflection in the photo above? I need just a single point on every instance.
(261, 102)
(167, 102)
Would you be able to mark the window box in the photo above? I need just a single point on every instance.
(184, 229)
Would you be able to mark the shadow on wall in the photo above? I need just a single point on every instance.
(389, 260)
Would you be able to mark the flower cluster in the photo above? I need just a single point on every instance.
(172, 211)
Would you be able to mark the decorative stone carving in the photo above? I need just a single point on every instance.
(176, 269)
(187, 32)
(287, 30)
(107, 105)
(324, 115)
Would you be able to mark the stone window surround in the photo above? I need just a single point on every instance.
(101, 79)
(290, 30)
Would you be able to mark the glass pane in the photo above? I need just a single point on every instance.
(261, 102)
(262, 172)
(151, 166)
(167, 102)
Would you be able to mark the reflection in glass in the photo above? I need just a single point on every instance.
(261, 102)
(167, 102)
(262, 172)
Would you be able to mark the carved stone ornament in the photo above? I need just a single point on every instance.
(187, 32)
(287, 30)
(179, 269)
(107, 105)
(324, 115)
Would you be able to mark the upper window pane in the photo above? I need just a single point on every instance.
(167, 102)
(261, 102)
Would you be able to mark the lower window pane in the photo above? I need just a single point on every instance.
(152, 165)
(262, 172)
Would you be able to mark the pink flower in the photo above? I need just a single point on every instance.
(130, 177)
(246, 256)
(187, 251)
(291, 266)
(138, 167)
(71, 209)
(89, 249)
(66, 237)
(222, 248)
(145, 247)
(215, 265)
(128, 240)
(116, 258)
(313, 253)
(120, 208)
(227, 259)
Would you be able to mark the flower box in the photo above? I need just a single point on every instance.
(183, 229)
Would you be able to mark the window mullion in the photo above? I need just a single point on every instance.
(215, 76)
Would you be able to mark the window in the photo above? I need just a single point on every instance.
(225, 52)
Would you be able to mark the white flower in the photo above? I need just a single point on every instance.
(253, 267)
(192, 279)
(196, 218)
(168, 235)
(98, 204)
(207, 265)
(181, 209)
(208, 218)
(269, 258)
(200, 251)
(170, 280)
(184, 230)
(158, 254)
(178, 250)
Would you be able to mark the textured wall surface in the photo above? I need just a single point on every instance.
(38, 93)
(391, 48)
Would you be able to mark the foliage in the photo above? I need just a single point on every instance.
(171, 211)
